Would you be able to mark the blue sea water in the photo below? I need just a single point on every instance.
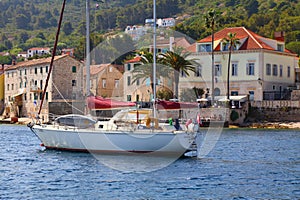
(244, 164)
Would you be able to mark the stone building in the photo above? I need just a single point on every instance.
(25, 82)
(106, 81)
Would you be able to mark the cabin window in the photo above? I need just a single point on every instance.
(74, 69)
(250, 69)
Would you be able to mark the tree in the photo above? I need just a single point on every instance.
(177, 60)
(231, 41)
(67, 28)
(144, 71)
(210, 22)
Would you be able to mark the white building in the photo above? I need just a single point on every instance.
(260, 67)
(37, 51)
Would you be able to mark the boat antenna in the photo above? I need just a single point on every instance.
(154, 58)
(53, 54)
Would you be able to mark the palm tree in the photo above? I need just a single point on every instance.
(232, 41)
(177, 61)
(210, 22)
(145, 69)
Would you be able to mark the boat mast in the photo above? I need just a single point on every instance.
(154, 58)
(53, 55)
(88, 58)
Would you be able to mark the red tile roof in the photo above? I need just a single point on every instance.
(252, 40)
(34, 62)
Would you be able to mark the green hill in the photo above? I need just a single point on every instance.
(28, 23)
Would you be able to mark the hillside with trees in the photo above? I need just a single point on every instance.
(25, 24)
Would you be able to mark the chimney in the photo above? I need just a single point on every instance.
(279, 36)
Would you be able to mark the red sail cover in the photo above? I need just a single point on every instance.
(161, 105)
(100, 103)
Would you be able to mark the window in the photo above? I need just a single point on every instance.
(46, 69)
(280, 70)
(25, 97)
(279, 47)
(41, 70)
(198, 72)
(35, 70)
(35, 97)
(250, 69)
(7, 86)
(137, 97)
(41, 84)
(46, 95)
(128, 80)
(41, 96)
(74, 69)
(117, 82)
(128, 97)
(204, 48)
(289, 71)
(103, 83)
(35, 82)
(20, 84)
(73, 82)
(128, 67)
(25, 72)
(234, 69)
(234, 93)
(275, 70)
(20, 72)
(7, 75)
(25, 84)
(12, 86)
(218, 70)
(268, 69)
(225, 47)
(110, 68)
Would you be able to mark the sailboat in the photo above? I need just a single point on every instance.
(132, 129)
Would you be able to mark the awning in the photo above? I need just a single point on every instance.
(100, 103)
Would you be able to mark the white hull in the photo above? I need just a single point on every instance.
(94, 140)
